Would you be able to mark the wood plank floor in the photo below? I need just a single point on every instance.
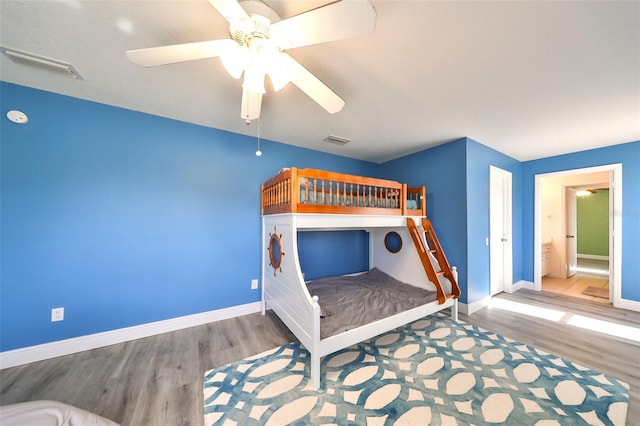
(590, 273)
(615, 356)
(158, 380)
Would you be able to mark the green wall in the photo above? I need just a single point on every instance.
(593, 223)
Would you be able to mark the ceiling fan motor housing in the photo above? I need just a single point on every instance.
(261, 15)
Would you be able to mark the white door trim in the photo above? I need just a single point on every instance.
(570, 232)
(615, 226)
(507, 244)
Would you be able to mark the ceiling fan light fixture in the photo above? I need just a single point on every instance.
(585, 192)
(257, 44)
(280, 71)
(253, 79)
(235, 60)
(278, 81)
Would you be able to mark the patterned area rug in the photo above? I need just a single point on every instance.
(433, 371)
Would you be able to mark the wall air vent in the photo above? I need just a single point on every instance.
(337, 140)
(43, 62)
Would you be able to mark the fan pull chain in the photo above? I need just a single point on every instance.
(258, 152)
(247, 121)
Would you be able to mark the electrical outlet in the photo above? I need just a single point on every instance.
(254, 284)
(57, 314)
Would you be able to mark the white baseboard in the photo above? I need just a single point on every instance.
(631, 305)
(522, 284)
(485, 301)
(29, 354)
(592, 256)
(474, 306)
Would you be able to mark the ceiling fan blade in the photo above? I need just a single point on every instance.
(230, 9)
(335, 21)
(164, 55)
(314, 88)
(251, 103)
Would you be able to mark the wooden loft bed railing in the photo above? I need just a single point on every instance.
(417, 196)
(317, 191)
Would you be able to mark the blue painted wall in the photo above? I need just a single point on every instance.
(627, 154)
(479, 158)
(125, 218)
(442, 170)
(320, 253)
(457, 178)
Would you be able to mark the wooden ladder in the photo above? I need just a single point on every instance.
(418, 235)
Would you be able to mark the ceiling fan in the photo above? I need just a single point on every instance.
(257, 44)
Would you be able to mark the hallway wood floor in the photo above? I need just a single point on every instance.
(591, 273)
(158, 380)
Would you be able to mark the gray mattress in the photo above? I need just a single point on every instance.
(348, 302)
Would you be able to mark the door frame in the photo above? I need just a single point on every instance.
(615, 226)
(570, 227)
(507, 230)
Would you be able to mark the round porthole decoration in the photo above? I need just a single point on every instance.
(393, 242)
(275, 251)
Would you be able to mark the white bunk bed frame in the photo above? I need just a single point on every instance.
(285, 292)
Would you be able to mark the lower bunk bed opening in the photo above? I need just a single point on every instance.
(358, 307)
(351, 301)
(330, 314)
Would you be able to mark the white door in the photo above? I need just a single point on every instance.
(612, 233)
(500, 244)
(571, 232)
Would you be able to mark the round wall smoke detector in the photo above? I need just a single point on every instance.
(17, 117)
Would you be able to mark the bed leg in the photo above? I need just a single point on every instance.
(454, 311)
(315, 343)
(315, 372)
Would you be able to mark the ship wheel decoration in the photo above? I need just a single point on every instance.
(275, 251)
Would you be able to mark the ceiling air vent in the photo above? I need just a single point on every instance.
(337, 140)
(32, 59)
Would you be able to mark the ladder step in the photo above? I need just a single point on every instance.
(423, 245)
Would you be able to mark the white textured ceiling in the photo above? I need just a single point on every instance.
(528, 78)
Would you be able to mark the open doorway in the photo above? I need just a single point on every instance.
(562, 260)
(585, 274)
(593, 202)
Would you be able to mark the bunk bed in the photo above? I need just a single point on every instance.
(407, 264)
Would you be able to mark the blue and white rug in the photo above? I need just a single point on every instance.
(433, 371)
